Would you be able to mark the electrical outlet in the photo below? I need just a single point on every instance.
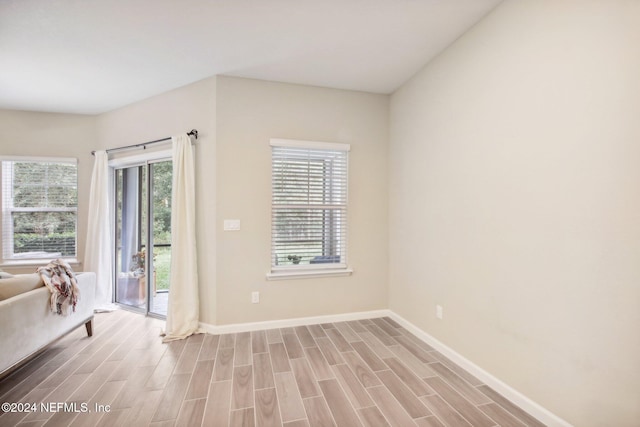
(439, 311)
(255, 297)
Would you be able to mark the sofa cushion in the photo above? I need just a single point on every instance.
(18, 284)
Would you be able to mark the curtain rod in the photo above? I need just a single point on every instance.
(192, 132)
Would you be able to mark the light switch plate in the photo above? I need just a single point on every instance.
(231, 225)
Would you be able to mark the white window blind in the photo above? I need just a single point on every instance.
(39, 208)
(309, 205)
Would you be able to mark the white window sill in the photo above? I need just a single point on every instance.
(36, 262)
(308, 274)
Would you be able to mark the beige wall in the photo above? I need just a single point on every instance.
(515, 192)
(250, 112)
(242, 114)
(510, 177)
(53, 135)
(172, 113)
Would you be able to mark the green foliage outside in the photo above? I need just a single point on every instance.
(54, 185)
(45, 199)
(162, 264)
(65, 244)
(162, 181)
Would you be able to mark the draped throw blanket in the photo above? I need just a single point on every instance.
(60, 279)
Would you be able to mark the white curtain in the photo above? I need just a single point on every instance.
(183, 306)
(97, 254)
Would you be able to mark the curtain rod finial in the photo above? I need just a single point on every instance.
(193, 132)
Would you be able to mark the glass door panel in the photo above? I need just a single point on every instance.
(143, 220)
(130, 236)
(160, 238)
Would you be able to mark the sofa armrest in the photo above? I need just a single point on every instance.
(28, 325)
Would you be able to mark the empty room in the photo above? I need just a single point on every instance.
(320, 213)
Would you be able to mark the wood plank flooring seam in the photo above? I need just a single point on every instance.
(363, 372)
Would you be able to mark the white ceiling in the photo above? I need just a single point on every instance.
(92, 56)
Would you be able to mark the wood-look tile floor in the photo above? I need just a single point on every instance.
(357, 373)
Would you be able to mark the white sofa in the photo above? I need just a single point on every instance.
(27, 324)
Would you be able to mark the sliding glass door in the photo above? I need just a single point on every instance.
(143, 236)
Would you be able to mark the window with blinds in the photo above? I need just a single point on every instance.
(309, 205)
(39, 208)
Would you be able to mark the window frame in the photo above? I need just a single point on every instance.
(8, 256)
(341, 268)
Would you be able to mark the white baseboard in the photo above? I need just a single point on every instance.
(519, 399)
(287, 323)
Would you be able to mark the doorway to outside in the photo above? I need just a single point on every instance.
(143, 236)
